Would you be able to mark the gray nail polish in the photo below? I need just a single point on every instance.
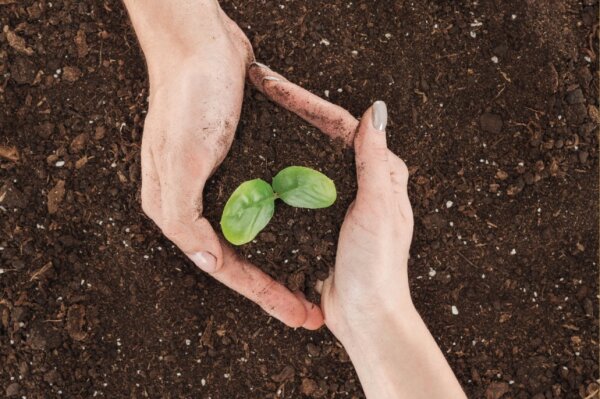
(379, 115)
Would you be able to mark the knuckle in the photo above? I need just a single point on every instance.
(379, 153)
(173, 226)
(400, 171)
(402, 168)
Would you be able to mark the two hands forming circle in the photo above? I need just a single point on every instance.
(189, 129)
(198, 63)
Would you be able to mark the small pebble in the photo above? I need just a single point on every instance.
(495, 59)
(454, 310)
(59, 164)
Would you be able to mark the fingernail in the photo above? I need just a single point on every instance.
(379, 115)
(273, 78)
(260, 65)
(205, 261)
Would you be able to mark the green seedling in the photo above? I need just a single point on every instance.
(252, 204)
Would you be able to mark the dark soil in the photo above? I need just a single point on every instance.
(493, 105)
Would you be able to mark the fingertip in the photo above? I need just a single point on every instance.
(260, 74)
(314, 317)
(371, 130)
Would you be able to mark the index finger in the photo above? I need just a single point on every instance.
(245, 278)
(331, 119)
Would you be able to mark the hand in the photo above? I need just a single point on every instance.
(370, 280)
(366, 301)
(371, 277)
(197, 61)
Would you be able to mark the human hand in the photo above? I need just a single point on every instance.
(197, 65)
(370, 279)
(366, 301)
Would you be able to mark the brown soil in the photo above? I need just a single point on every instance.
(504, 184)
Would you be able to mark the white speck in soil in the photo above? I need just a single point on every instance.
(325, 42)
(59, 164)
(449, 204)
(495, 59)
(388, 35)
(454, 310)
(513, 251)
(432, 272)
(326, 93)
(473, 34)
(203, 382)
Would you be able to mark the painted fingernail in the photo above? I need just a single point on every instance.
(260, 65)
(273, 78)
(380, 115)
(205, 261)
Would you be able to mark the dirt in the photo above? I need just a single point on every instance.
(493, 105)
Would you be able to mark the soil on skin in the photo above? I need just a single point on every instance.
(493, 105)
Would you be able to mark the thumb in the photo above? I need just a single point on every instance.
(207, 253)
(197, 239)
(371, 153)
(181, 219)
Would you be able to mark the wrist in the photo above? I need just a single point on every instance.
(398, 357)
(399, 322)
(171, 31)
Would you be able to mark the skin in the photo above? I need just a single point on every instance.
(198, 60)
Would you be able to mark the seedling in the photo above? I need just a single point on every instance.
(252, 204)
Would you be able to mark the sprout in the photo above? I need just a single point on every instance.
(252, 204)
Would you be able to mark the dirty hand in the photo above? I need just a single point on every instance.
(197, 60)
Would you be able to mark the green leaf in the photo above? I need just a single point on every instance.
(247, 211)
(304, 188)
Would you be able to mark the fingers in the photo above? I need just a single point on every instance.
(399, 175)
(371, 152)
(331, 119)
(240, 39)
(150, 192)
(182, 180)
(291, 309)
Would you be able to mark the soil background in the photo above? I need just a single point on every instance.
(493, 105)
